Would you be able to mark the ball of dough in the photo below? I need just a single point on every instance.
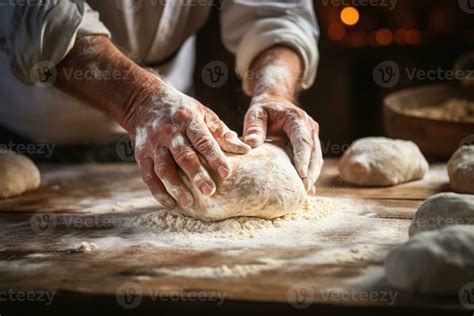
(379, 161)
(442, 210)
(436, 262)
(18, 175)
(461, 170)
(263, 184)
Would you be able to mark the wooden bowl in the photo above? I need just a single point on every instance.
(437, 139)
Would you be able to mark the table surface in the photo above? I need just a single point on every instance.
(40, 257)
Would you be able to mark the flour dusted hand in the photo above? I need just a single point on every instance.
(379, 161)
(461, 170)
(18, 174)
(264, 184)
(173, 130)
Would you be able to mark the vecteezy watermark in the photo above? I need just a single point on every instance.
(124, 149)
(387, 74)
(45, 150)
(438, 222)
(129, 6)
(467, 6)
(466, 296)
(354, 295)
(43, 74)
(467, 141)
(11, 295)
(44, 222)
(389, 4)
(300, 295)
(215, 74)
(130, 295)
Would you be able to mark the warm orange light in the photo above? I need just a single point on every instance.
(401, 37)
(414, 37)
(350, 16)
(336, 31)
(384, 37)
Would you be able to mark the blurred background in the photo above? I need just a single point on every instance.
(346, 100)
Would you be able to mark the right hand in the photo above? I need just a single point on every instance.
(171, 130)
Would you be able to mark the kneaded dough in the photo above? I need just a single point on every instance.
(461, 170)
(379, 161)
(442, 210)
(18, 174)
(436, 262)
(263, 184)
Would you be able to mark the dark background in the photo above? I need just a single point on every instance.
(345, 100)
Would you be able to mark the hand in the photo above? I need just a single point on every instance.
(275, 116)
(172, 130)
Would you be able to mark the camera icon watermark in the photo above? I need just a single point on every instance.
(129, 295)
(466, 296)
(43, 223)
(467, 141)
(124, 149)
(467, 6)
(301, 295)
(215, 74)
(129, 6)
(386, 74)
(43, 74)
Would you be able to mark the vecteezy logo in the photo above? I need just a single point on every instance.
(43, 223)
(129, 295)
(124, 149)
(386, 74)
(43, 74)
(129, 6)
(467, 141)
(215, 74)
(467, 6)
(466, 295)
(300, 295)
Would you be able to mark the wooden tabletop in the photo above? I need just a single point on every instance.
(36, 257)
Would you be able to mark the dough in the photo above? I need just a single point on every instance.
(441, 210)
(436, 262)
(264, 184)
(379, 161)
(18, 174)
(461, 170)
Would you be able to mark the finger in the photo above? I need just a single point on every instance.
(227, 139)
(188, 161)
(302, 142)
(315, 164)
(202, 140)
(154, 184)
(255, 127)
(166, 170)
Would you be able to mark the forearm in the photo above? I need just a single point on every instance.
(96, 72)
(277, 71)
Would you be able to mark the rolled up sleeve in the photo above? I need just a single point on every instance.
(37, 31)
(250, 27)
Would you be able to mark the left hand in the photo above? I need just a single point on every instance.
(271, 116)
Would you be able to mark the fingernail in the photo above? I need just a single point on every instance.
(206, 189)
(224, 172)
(185, 201)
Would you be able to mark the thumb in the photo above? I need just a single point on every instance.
(255, 127)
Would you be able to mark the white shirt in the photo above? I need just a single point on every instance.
(32, 31)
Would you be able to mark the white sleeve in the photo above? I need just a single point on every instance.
(251, 26)
(44, 31)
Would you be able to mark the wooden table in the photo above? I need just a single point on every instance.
(81, 190)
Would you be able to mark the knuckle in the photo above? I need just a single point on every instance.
(182, 115)
(205, 145)
(185, 155)
(147, 177)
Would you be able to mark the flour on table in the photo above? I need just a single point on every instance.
(264, 184)
(461, 170)
(441, 210)
(379, 161)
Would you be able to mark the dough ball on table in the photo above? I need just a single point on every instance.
(263, 184)
(437, 262)
(18, 174)
(461, 170)
(441, 210)
(379, 161)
